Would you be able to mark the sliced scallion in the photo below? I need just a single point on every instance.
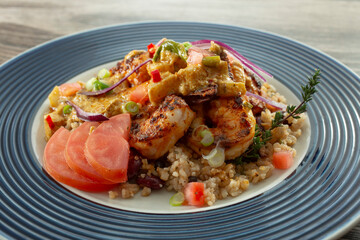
(207, 138)
(90, 84)
(104, 73)
(131, 107)
(67, 109)
(196, 132)
(211, 61)
(100, 85)
(106, 90)
(177, 199)
(216, 157)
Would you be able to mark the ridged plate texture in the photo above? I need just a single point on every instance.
(320, 200)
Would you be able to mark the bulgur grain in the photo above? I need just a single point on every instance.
(146, 192)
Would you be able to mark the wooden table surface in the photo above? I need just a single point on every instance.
(332, 26)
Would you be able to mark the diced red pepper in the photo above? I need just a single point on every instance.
(156, 75)
(150, 46)
(151, 49)
(50, 122)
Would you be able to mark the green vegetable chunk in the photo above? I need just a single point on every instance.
(100, 85)
(207, 138)
(131, 107)
(103, 73)
(67, 109)
(187, 45)
(171, 46)
(216, 157)
(211, 61)
(247, 105)
(177, 199)
(90, 84)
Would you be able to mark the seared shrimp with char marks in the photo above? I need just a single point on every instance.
(232, 125)
(157, 134)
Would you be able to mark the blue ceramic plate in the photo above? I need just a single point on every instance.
(321, 199)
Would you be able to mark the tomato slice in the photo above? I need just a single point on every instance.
(74, 153)
(196, 54)
(69, 89)
(56, 166)
(282, 160)
(194, 194)
(120, 123)
(140, 93)
(108, 152)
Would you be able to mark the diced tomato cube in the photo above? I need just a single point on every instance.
(194, 194)
(282, 160)
(139, 94)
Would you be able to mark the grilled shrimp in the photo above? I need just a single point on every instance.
(232, 125)
(154, 136)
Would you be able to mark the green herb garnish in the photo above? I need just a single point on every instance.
(171, 46)
(100, 85)
(211, 61)
(67, 109)
(131, 107)
(104, 73)
(263, 136)
(187, 45)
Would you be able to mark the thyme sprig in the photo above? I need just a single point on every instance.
(263, 136)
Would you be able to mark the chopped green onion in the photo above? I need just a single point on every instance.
(196, 132)
(177, 199)
(103, 73)
(211, 61)
(248, 105)
(100, 85)
(67, 109)
(131, 107)
(207, 138)
(95, 84)
(187, 45)
(216, 157)
(90, 84)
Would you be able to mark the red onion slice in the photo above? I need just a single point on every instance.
(247, 63)
(96, 93)
(86, 116)
(160, 42)
(268, 101)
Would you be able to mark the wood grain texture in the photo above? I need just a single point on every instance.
(332, 26)
(16, 38)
